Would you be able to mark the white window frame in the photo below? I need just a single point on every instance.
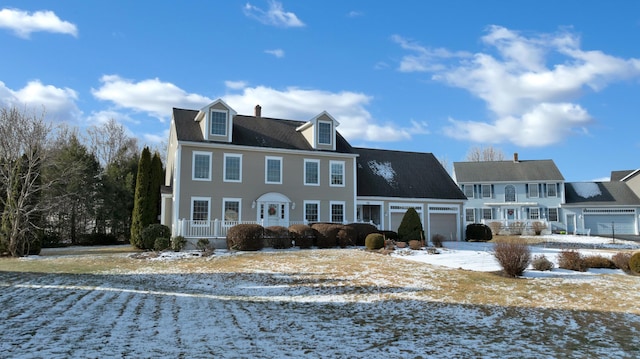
(557, 215)
(555, 190)
(266, 169)
(232, 155)
(342, 164)
(470, 188)
(200, 222)
(330, 133)
(344, 210)
(193, 165)
(473, 214)
(534, 213)
(515, 193)
(490, 191)
(226, 122)
(304, 174)
(484, 211)
(226, 200)
(304, 209)
(537, 190)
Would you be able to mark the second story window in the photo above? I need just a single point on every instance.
(533, 190)
(273, 170)
(468, 190)
(218, 121)
(486, 191)
(510, 193)
(232, 168)
(312, 172)
(324, 133)
(201, 166)
(552, 190)
(336, 174)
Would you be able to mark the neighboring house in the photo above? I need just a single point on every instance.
(512, 191)
(224, 168)
(601, 208)
(630, 177)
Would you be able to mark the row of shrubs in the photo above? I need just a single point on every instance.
(483, 232)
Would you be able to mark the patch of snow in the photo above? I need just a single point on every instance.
(586, 189)
(383, 169)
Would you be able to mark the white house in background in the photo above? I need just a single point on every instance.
(512, 191)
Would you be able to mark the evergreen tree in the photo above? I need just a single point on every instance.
(156, 183)
(411, 226)
(141, 216)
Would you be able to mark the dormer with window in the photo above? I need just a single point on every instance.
(320, 132)
(216, 121)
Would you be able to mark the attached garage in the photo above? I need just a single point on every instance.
(609, 221)
(445, 224)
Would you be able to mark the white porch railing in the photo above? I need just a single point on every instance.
(216, 228)
(518, 226)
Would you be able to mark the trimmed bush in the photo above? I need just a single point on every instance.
(478, 232)
(411, 226)
(437, 240)
(327, 234)
(634, 263)
(390, 235)
(415, 244)
(541, 263)
(621, 260)
(153, 231)
(277, 237)
(347, 236)
(362, 230)
(598, 261)
(374, 241)
(303, 235)
(572, 260)
(178, 243)
(513, 256)
(245, 237)
(495, 227)
(161, 244)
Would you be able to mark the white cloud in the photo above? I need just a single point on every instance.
(235, 85)
(349, 108)
(23, 23)
(355, 13)
(58, 104)
(275, 15)
(152, 96)
(102, 117)
(526, 96)
(279, 53)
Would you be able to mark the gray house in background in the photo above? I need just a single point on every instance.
(224, 168)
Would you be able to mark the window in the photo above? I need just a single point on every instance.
(231, 209)
(218, 122)
(510, 193)
(324, 133)
(312, 172)
(337, 212)
(487, 213)
(486, 191)
(553, 215)
(534, 213)
(552, 190)
(273, 172)
(468, 190)
(312, 211)
(232, 168)
(200, 210)
(470, 215)
(336, 175)
(533, 190)
(201, 166)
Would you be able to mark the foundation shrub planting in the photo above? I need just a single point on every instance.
(478, 232)
(621, 260)
(327, 234)
(542, 263)
(390, 235)
(513, 256)
(495, 227)
(598, 261)
(538, 227)
(203, 245)
(245, 237)
(374, 241)
(178, 243)
(634, 263)
(437, 240)
(302, 235)
(517, 228)
(161, 244)
(362, 230)
(346, 237)
(415, 245)
(277, 237)
(572, 260)
(411, 227)
(153, 231)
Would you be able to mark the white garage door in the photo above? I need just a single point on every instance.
(444, 224)
(608, 224)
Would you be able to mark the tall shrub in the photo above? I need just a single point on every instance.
(141, 216)
(513, 256)
(411, 226)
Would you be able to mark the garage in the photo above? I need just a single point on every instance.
(609, 221)
(445, 224)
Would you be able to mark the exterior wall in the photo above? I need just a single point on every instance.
(634, 183)
(602, 220)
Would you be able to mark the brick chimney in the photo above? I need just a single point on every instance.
(258, 111)
(515, 157)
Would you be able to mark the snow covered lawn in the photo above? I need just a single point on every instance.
(338, 303)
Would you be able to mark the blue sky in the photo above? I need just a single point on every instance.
(547, 79)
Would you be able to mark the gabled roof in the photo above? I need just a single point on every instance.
(600, 194)
(622, 175)
(385, 173)
(253, 131)
(506, 171)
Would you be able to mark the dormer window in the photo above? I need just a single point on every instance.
(218, 120)
(325, 133)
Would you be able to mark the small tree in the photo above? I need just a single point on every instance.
(411, 226)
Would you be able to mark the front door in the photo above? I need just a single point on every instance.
(274, 214)
(511, 214)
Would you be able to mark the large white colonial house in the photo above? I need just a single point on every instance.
(224, 168)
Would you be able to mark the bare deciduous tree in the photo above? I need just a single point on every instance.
(110, 142)
(482, 154)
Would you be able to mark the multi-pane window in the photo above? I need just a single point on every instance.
(486, 191)
(201, 166)
(273, 173)
(337, 212)
(336, 173)
(232, 168)
(218, 122)
(468, 190)
(470, 215)
(311, 211)
(533, 190)
(553, 215)
(199, 209)
(510, 193)
(311, 172)
(324, 133)
(487, 213)
(552, 190)
(534, 213)
(231, 210)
